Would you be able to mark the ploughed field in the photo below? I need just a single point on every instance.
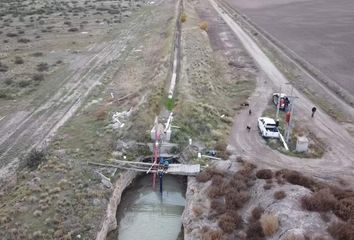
(320, 31)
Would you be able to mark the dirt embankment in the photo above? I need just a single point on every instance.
(110, 220)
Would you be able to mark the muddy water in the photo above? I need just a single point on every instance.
(144, 214)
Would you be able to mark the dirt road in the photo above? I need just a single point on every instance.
(32, 127)
(337, 161)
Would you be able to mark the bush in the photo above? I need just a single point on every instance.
(217, 191)
(24, 83)
(218, 207)
(321, 201)
(264, 174)
(228, 222)
(42, 67)
(236, 200)
(23, 40)
(73, 29)
(221, 149)
(341, 193)
(101, 114)
(11, 34)
(211, 234)
(257, 213)
(3, 67)
(4, 94)
(38, 77)
(247, 169)
(183, 17)
(269, 223)
(297, 178)
(217, 180)
(8, 81)
(19, 60)
(342, 231)
(255, 231)
(279, 195)
(35, 158)
(207, 174)
(345, 208)
(37, 54)
(204, 26)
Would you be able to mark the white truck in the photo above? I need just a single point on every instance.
(268, 127)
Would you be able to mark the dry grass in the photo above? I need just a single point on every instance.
(293, 236)
(269, 223)
(221, 149)
(101, 114)
(321, 201)
(264, 174)
(279, 195)
(204, 26)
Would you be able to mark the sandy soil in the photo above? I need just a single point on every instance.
(317, 30)
(336, 163)
(32, 118)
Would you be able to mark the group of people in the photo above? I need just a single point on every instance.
(313, 110)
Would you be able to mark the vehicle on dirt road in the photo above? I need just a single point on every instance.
(268, 127)
(284, 100)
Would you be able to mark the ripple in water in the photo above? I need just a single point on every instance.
(144, 214)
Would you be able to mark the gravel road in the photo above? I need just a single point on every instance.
(337, 161)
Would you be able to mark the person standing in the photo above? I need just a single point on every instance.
(313, 111)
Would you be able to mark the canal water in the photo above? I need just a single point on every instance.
(146, 214)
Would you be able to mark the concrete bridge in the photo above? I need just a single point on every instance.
(174, 169)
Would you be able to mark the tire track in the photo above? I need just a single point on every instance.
(337, 161)
(38, 126)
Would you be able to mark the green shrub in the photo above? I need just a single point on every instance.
(35, 158)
